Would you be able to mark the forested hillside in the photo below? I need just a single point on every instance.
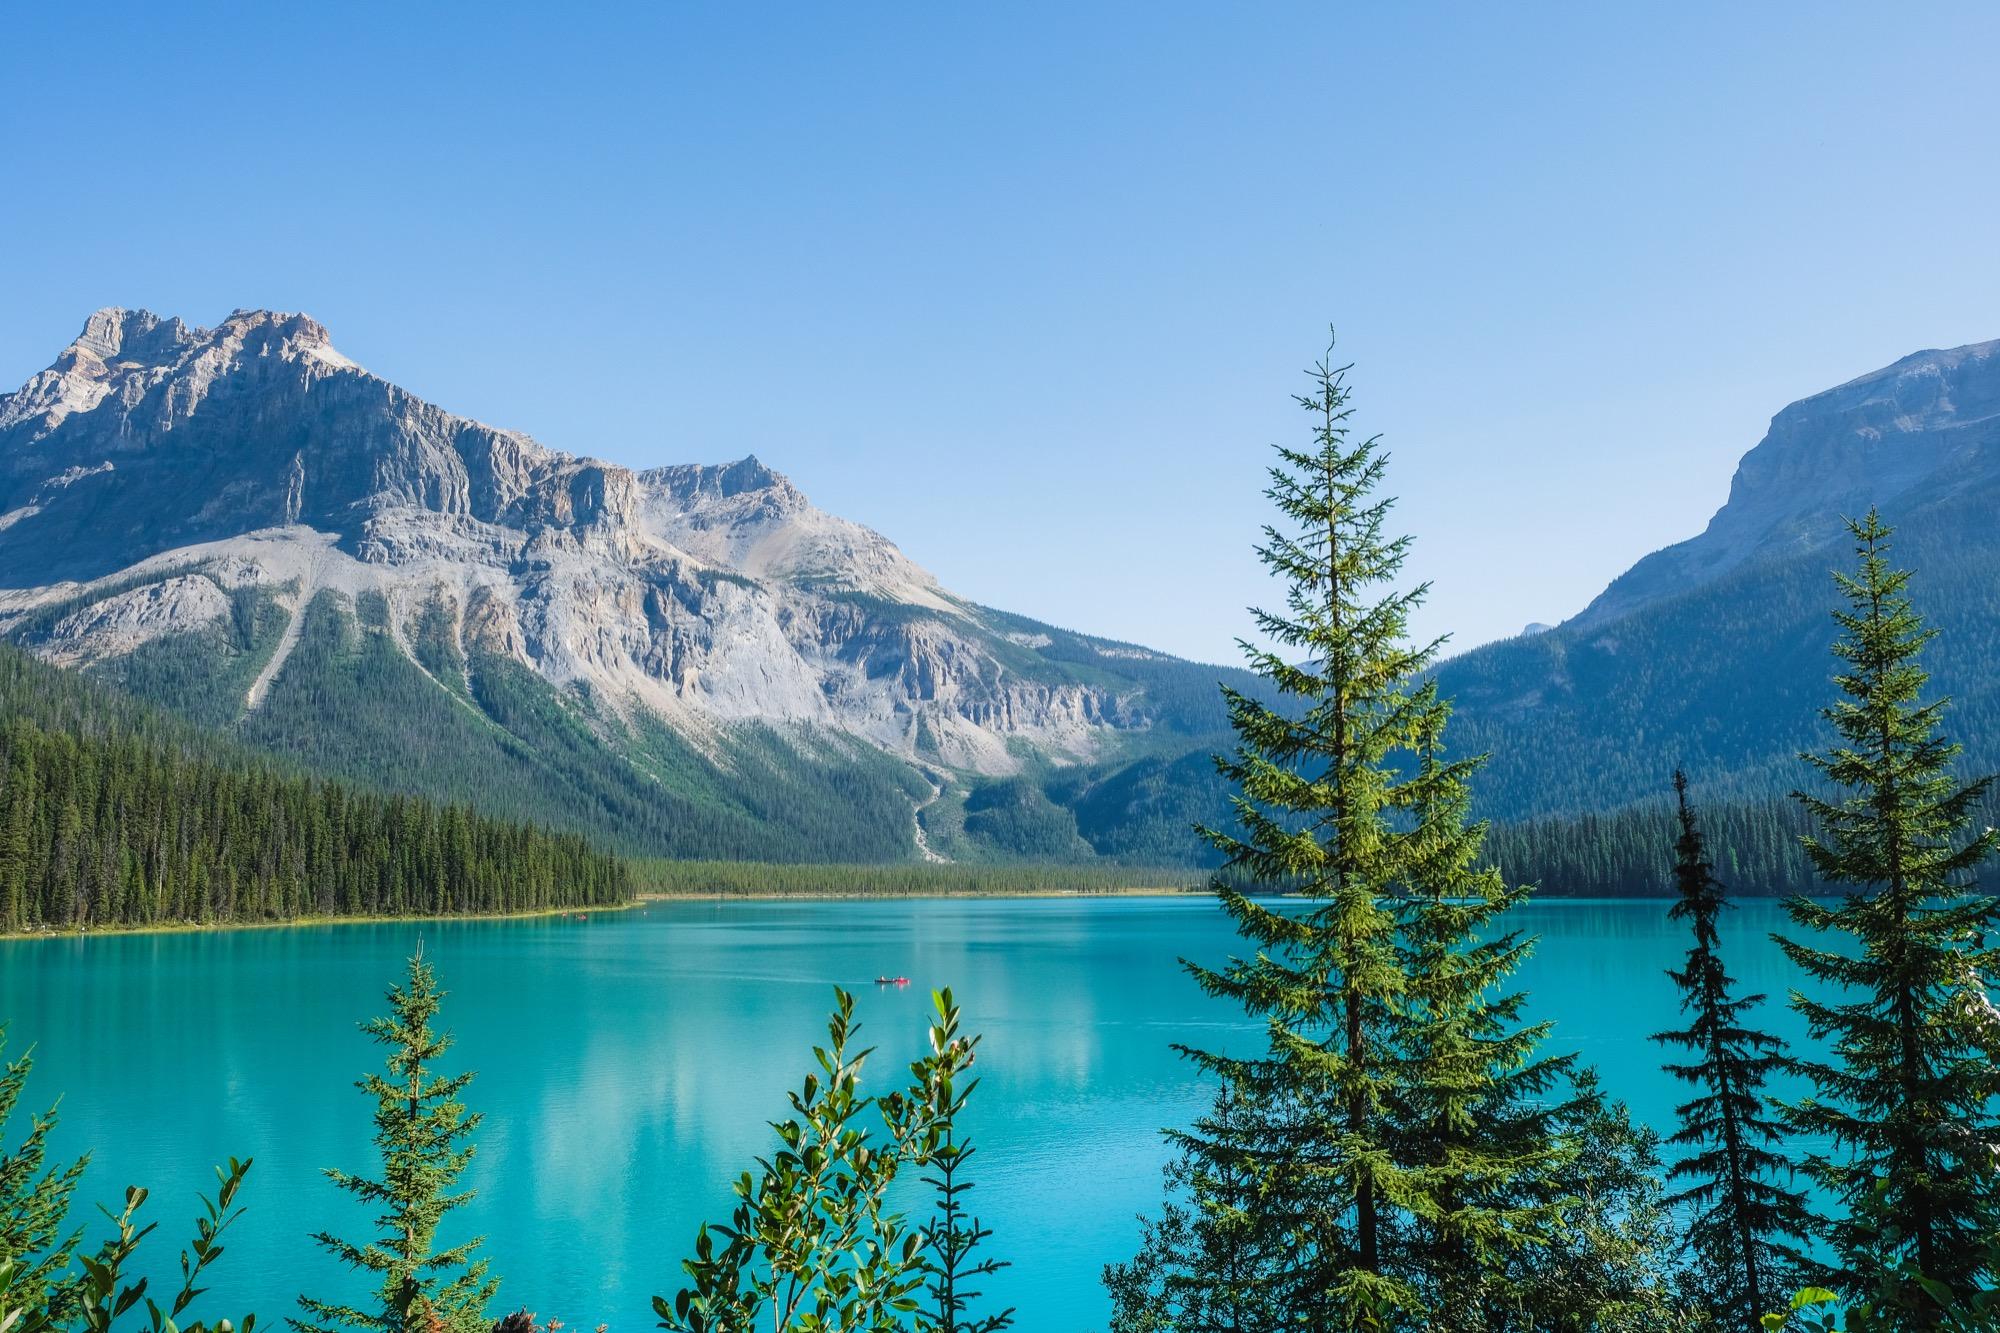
(111, 814)
(1711, 655)
(1726, 680)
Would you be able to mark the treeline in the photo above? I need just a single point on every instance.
(1627, 853)
(911, 880)
(113, 816)
(1758, 846)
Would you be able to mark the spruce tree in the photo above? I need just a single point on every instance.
(1745, 1220)
(1908, 1095)
(1329, 803)
(423, 1131)
(1476, 1108)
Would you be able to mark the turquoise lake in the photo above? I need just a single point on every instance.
(627, 1066)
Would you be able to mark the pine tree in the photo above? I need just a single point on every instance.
(1746, 1220)
(423, 1132)
(1474, 1109)
(1908, 1098)
(1325, 809)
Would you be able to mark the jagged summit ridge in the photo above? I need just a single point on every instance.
(124, 353)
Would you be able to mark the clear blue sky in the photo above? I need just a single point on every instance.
(1026, 287)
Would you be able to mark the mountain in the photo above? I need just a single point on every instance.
(242, 524)
(115, 815)
(1713, 653)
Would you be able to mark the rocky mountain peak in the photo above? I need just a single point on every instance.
(1891, 438)
(119, 339)
(243, 523)
(114, 334)
(122, 356)
(695, 484)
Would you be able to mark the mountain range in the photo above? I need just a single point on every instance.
(245, 526)
(242, 524)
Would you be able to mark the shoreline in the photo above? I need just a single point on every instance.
(198, 927)
(637, 901)
(862, 895)
(686, 896)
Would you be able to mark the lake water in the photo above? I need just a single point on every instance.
(627, 1067)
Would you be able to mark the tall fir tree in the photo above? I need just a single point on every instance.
(1908, 1095)
(1746, 1220)
(1478, 1103)
(1333, 803)
(1319, 799)
(423, 1132)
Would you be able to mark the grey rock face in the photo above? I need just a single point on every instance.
(193, 460)
(1903, 435)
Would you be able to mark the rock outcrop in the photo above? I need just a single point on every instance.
(1893, 438)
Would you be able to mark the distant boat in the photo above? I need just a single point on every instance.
(892, 981)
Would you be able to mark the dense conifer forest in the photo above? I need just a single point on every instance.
(1758, 848)
(112, 815)
(1724, 680)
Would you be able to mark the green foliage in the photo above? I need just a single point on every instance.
(104, 1294)
(423, 1133)
(812, 1245)
(1606, 1267)
(1896, 1298)
(1475, 1106)
(1205, 1258)
(953, 1236)
(98, 1297)
(1746, 1221)
(34, 1205)
(1908, 1098)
